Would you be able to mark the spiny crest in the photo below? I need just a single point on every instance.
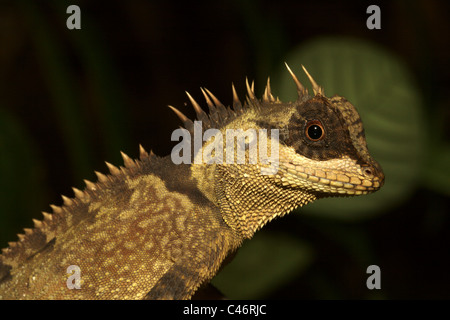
(44, 230)
(219, 114)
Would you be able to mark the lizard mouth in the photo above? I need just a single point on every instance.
(363, 180)
(344, 184)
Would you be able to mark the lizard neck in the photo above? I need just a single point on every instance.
(249, 200)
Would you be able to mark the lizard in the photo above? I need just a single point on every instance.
(153, 229)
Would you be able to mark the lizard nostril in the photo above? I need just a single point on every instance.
(369, 171)
(373, 171)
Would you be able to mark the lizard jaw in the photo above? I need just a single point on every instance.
(337, 176)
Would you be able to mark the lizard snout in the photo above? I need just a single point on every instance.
(374, 172)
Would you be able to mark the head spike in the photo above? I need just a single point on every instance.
(250, 92)
(316, 88)
(301, 90)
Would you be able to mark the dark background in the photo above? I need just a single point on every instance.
(70, 100)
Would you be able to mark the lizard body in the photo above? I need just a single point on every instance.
(158, 230)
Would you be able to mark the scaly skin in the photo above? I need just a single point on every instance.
(156, 230)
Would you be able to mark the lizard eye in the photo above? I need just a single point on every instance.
(314, 130)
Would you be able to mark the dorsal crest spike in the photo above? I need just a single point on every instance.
(188, 124)
(127, 161)
(67, 201)
(101, 177)
(142, 153)
(201, 115)
(197, 108)
(78, 194)
(250, 92)
(90, 185)
(21, 237)
(37, 223)
(301, 90)
(220, 107)
(179, 114)
(207, 99)
(267, 96)
(112, 168)
(318, 90)
(214, 99)
(47, 216)
(235, 95)
(237, 106)
(56, 209)
(11, 244)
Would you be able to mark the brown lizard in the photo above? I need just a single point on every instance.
(154, 229)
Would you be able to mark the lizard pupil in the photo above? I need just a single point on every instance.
(314, 130)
